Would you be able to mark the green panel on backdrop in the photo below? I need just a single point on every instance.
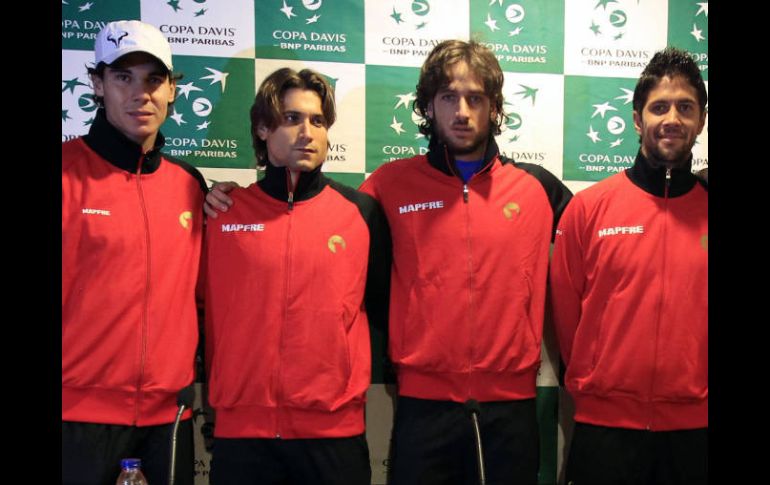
(391, 124)
(526, 36)
(310, 30)
(688, 28)
(210, 123)
(599, 135)
(81, 21)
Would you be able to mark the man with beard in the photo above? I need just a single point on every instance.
(629, 278)
(471, 234)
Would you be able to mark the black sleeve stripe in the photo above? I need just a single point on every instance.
(189, 169)
(377, 294)
(558, 193)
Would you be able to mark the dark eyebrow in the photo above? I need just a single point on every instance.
(294, 112)
(125, 70)
(447, 89)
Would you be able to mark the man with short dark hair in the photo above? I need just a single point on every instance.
(471, 236)
(630, 294)
(295, 272)
(131, 235)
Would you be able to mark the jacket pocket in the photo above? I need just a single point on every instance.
(315, 358)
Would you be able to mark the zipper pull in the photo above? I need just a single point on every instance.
(290, 186)
(465, 193)
(668, 179)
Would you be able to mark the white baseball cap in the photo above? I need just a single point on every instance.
(122, 37)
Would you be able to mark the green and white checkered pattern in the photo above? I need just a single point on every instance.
(570, 69)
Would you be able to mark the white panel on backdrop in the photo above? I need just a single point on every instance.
(78, 107)
(403, 32)
(217, 28)
(700, 152)
(347, 136)
(612, 38)
(535, 106)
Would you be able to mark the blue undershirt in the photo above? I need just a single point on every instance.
(467, 169)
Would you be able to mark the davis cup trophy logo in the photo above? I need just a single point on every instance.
(310, 7)
(196, 5)
(192, 107)
(515, 110)
(416, 16)
(610, 127)
(514, 15)
(608, 21)
(82, 110)
(404, 114)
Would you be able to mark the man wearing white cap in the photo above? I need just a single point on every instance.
(131, 236)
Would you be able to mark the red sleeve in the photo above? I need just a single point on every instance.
(567, 275)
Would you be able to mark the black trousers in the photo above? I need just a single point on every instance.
(91, 453)
(601, 455)
(433, 443)
(257, 461)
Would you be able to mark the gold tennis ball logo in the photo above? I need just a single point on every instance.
(335, 241)
(510, 208)
(704, 241)
(185, 219)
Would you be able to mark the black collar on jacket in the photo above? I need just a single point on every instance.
(441, 157)
(653, 179)
(275, 183)
(112, 145)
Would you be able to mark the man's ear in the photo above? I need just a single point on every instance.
(702, 121)
(172, 87)
(98, 83)
(638, 123)
(262, 131)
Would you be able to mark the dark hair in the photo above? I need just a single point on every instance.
(266, 110)
(434, 75)
(670, 62)
(116, 64)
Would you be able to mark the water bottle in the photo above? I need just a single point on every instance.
(131, 472)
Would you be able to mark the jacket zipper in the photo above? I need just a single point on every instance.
(470, 260)
(145, 309)
(470, 287)
(660, 304)
(279, 387)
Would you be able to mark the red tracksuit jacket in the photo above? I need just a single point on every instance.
(290, 291)
(630, 294)
(469, 273)
(130, 252)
